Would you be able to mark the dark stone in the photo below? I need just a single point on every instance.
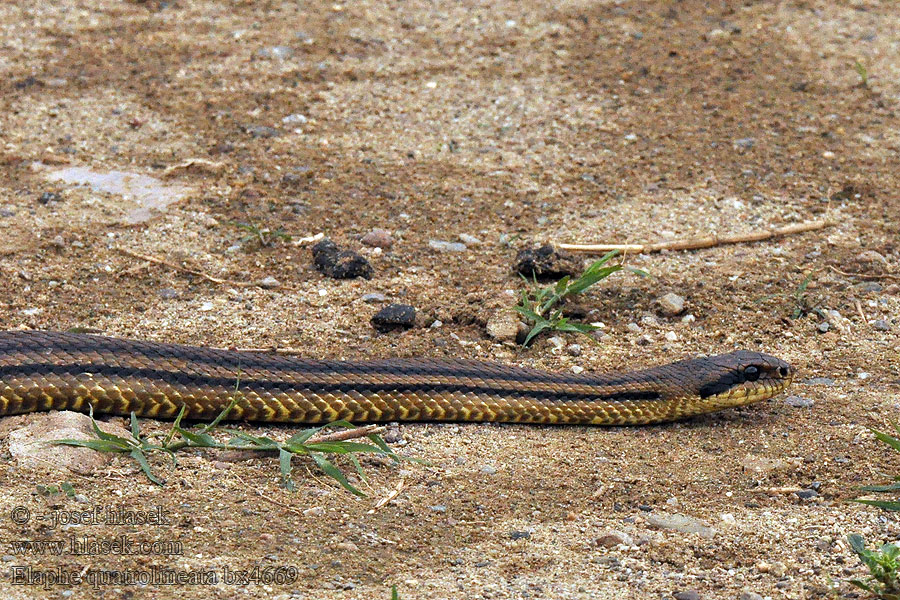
(545, 262)
(394, 316)
(806, 494)
(520, 535)
(48, 197)
(687, 595)
(334, 262)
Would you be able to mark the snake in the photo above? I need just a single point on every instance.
(44, 370)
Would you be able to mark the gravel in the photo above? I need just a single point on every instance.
(881, 325)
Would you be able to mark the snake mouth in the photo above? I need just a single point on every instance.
(750, 392)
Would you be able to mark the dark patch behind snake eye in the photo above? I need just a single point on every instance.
(720, 385)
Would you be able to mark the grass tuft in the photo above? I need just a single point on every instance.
(801, 302)
(883, 564)
(540, 306)
(304, 443)
(862, 72)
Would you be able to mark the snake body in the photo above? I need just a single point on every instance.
(66, 371)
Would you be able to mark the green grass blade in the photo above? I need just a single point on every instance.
(343, 447)
(891, 487)
(887, 439)
(98, 445)
(884, 504)
(335, 473)
(135, 428)
(540, 326)
(137, 455)
(106, 436)
(284, 461)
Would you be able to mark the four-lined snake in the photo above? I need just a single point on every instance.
(66, 371)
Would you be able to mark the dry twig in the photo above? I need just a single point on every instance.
(889, 276)
(700, 242)
(201, 274)
(277, 503)
(346, 434)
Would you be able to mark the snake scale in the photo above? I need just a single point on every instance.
(67, 371)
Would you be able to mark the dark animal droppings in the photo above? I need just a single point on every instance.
(394, 316)
(334, 262)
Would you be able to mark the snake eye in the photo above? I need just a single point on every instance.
(751, 373)
(783, 371)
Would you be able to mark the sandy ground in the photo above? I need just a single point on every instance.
(515, 123)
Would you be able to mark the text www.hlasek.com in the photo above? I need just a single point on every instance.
(83, 545)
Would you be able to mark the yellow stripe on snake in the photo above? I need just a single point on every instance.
(65, 371)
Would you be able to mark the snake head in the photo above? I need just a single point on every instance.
(742, 377)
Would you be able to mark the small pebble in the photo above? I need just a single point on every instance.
(806, 494)
(823, 327)
(442, 246)
(277, 52)
(820, 381)
(315, 511)
(687, 595)
(261, 131)
(670, 305)
(520, 535)
(799, 402)
(869, 286)
(438, 508)
(394, 316)
(470, 240)
(614, 538)
(378, 238)
(295, 119)
(573, 350)
(747, 595)
(633, 328)
(488, 469)
(373, 297)
(881, 325)
(671, 336)
(688, 318)
(168, 293)
(269, 283)
(557, 342)
(347, 547)
(503, 325)
(745, 143)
